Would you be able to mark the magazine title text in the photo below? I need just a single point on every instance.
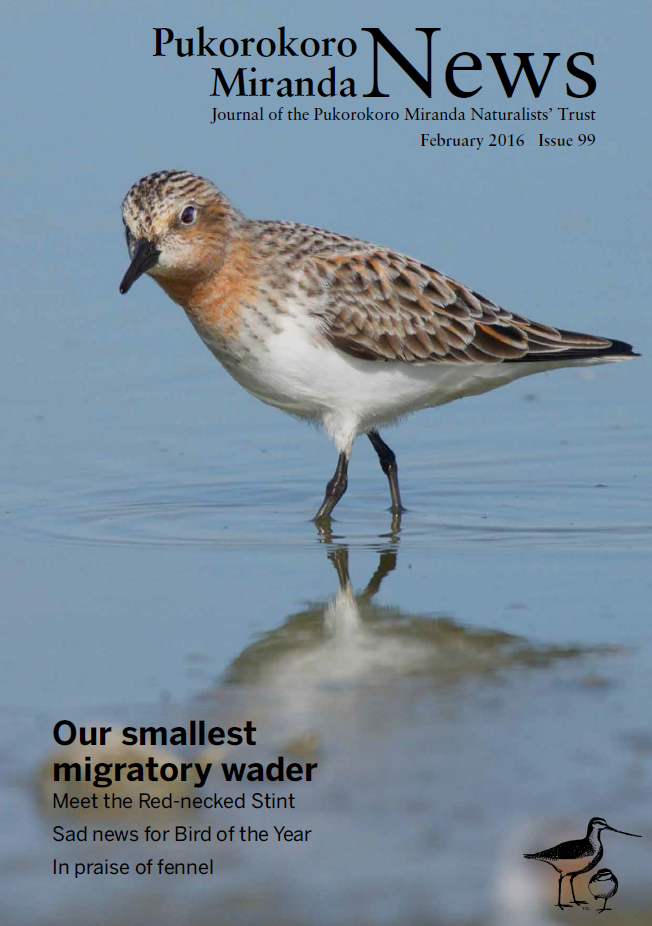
(463, 75)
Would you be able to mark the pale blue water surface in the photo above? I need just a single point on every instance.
(484, 682)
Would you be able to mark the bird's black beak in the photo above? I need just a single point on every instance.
(623, 832)
(145, 256)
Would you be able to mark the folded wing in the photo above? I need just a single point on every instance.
(385, 306)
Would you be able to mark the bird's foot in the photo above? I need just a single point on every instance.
(578, 902)
(562, 905)
(603, 909)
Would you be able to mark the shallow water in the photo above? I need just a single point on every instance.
(472, 680)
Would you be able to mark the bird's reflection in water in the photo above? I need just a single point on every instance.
(350, 669)
(352, 641)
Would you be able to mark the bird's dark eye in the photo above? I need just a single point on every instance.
(188, 215)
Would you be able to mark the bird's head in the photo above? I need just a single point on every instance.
(603, 874)
(177, 226)
(597, 824)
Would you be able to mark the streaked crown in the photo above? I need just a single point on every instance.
(152, 198)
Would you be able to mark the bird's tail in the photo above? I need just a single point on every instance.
(580, 347)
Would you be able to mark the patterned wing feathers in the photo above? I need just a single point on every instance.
(386, 306)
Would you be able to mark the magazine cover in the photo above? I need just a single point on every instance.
(326, 497)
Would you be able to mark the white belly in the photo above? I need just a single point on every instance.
(299, 372)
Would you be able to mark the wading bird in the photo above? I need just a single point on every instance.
(331, 329)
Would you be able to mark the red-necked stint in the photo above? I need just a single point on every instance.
(326, 327)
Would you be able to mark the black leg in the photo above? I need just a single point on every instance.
(389, 466)
(335, 488)
(573, 892)
(559, 903)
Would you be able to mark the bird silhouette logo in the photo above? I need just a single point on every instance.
(577, 856)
